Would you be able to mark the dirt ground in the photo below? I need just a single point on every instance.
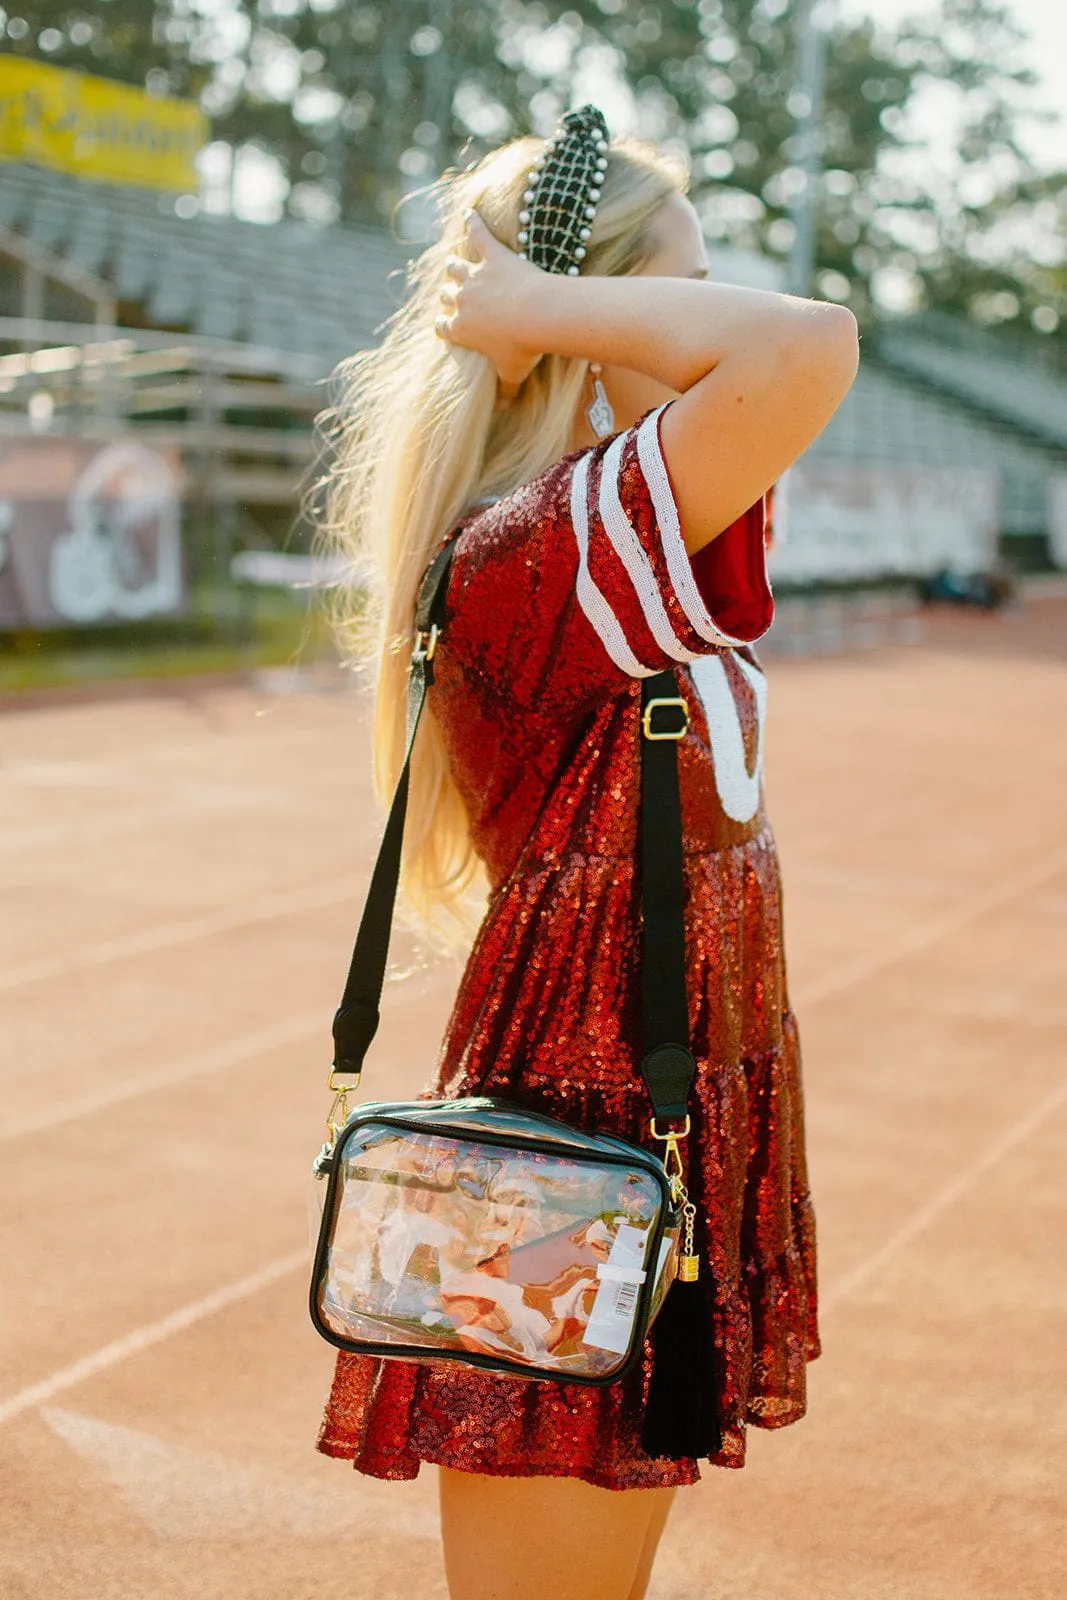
(181, 873)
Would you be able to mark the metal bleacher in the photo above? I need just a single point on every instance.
(984, 372)
(232, 326)
(202, 334)
(888, 420)
(295, 288)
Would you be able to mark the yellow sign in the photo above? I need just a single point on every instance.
(96, 128)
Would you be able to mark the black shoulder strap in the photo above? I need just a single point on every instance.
(356, 1020)
(667, 1065)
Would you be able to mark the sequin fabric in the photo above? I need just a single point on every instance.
(554, 602)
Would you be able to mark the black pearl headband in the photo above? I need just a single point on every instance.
(562, 191)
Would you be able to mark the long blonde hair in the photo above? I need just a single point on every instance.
(417, 441)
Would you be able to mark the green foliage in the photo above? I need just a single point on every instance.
(362, 101)
(150, 43)
(970, 228)
(222, 631)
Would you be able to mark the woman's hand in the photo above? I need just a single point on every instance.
(485, 300)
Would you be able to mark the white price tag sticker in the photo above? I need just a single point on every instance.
(621, 1276)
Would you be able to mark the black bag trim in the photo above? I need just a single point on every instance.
(627, 1156)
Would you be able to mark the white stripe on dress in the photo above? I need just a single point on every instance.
(739, 789)
(675, 554)
(605, 623)
(631, 552)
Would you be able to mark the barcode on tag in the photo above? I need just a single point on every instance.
(626, 1299)
(611, 1321)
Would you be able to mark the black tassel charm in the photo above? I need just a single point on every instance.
(681, 1414)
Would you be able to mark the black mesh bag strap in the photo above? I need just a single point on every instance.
(356, 1019)
(667, 1067)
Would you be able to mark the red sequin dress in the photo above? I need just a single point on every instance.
(562, 597)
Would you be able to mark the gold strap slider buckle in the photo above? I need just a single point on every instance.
(669, 733)
(425, 643)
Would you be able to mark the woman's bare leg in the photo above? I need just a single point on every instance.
(547, 1538)
(657, 1522)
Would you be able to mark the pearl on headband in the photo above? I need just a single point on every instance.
(562, 192)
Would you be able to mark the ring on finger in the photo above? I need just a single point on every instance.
(441, 326)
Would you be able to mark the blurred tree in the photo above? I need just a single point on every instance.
(949, 217)
(156, 45)
(366, 102)
(362, 101)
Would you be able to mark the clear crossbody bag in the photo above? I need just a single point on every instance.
(479, 1232)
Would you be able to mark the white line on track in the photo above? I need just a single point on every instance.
(168, 934)
(98, 772)
(68, 1110)
(185, 1493)
(234, 732)
(143, 1338)
(84, 829)
(119, 1350)
(132, 1344)
(920, 1220)
(928, 933)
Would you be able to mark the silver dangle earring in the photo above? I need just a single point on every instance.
(601, 416)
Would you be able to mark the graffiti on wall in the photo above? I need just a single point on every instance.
(89, 532)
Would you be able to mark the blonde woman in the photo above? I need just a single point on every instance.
(598, 427)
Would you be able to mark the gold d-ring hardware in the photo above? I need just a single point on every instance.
(425, 652)
(342, 1088)
(671, 1134)
(653, 705)
(336, 1087)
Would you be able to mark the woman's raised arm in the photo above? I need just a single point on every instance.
(758, 374)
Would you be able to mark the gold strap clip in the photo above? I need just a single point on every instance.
(673, 1166)
(337, 1115)
(672, 1156)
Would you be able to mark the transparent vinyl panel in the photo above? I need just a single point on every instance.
(446, 1244)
